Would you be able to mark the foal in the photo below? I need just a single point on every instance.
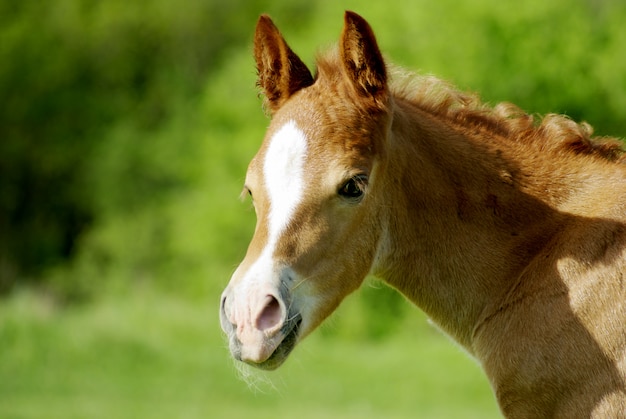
(510, 235)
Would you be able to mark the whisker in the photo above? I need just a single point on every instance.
(302, 281)
(293, 317)
(255, 379)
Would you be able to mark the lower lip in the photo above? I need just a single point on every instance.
(282, 351)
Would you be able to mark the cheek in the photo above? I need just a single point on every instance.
(336, 253)
(319, 294)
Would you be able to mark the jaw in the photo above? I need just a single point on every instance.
(306, 311)
(270, 352)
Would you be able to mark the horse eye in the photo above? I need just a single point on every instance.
(353, 188)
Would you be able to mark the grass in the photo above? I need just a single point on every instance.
(147, 355)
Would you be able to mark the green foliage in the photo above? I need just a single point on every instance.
(127, 127)
(95, 119)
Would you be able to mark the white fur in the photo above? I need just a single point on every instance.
(283, 170)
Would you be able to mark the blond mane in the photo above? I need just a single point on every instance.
(553, 133)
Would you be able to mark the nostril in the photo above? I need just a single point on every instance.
(271, 314)
(223, 305)
(225, 316)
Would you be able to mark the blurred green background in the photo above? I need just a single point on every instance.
(125, 131)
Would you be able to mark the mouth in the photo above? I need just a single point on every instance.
(290, 330)
(283, 350)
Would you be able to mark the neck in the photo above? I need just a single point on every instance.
(467, 227)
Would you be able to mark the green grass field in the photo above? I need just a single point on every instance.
(146, 355)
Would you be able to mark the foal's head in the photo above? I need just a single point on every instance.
(316, 191)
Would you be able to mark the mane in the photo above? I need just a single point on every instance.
(553, 133)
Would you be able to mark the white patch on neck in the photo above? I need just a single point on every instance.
(283, 170)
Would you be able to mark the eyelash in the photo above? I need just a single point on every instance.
(354, 188)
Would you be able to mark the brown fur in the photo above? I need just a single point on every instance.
(509, 233)
(555, 133)
(280, 71)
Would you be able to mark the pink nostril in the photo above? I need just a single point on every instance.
(271, 314)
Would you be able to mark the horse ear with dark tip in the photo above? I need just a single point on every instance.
(362, 60)
(281, 73)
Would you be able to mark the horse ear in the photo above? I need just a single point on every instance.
(281, 73)
(362, 59)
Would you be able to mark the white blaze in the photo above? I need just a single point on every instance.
(283, 170)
